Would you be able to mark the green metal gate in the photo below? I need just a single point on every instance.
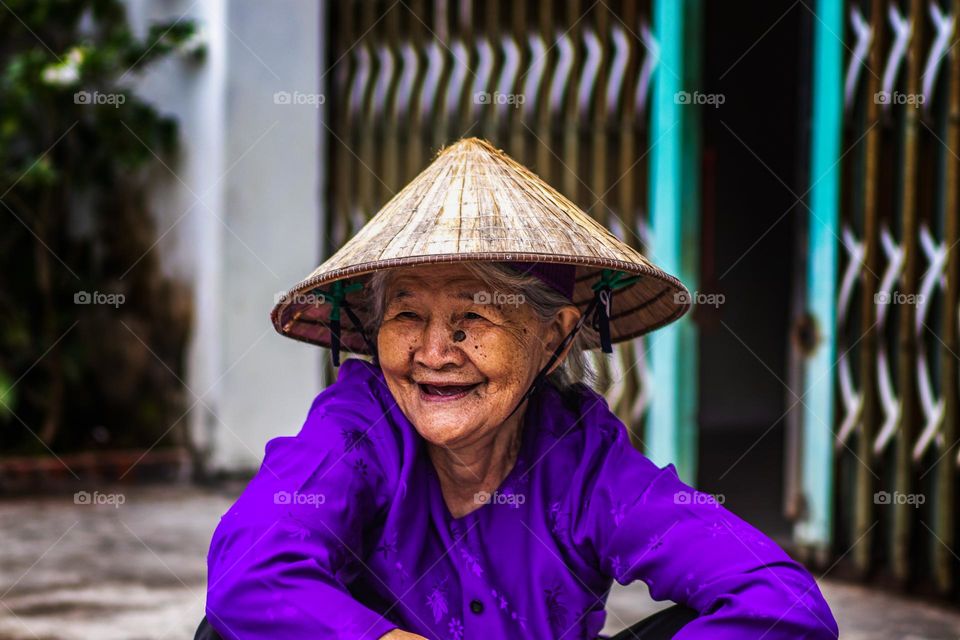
(880, 453)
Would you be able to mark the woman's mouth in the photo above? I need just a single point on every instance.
(444, 392)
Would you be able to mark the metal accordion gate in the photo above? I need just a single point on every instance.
(880, 473)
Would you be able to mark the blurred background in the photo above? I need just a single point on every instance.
(168, 168)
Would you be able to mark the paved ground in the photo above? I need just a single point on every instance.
(136, 571)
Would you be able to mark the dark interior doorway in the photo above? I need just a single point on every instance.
(753, 172)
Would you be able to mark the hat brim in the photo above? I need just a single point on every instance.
(655, 300)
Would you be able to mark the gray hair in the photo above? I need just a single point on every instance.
(542, 299)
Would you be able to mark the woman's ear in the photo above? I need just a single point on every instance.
(563, 323)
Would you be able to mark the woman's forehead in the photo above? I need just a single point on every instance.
(450, 279)
(404, 292)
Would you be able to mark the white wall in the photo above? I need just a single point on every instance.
(242, 216)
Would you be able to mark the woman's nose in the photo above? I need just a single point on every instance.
(438, 348)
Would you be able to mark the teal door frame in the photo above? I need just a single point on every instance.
(672, 429)
(815, 528)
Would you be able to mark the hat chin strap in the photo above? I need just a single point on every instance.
(541, 376)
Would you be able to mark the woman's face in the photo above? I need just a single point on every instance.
(457, 392)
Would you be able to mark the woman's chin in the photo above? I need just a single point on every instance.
(444, 432)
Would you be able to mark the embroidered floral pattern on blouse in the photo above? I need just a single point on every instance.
(504, 606)
(521, 620)
(616, 566)
(353, 438)
(400, 571)
(655, 542)
(437, 600)
(296, 529)
(456, 629)
(618, 512)
(388, 543)
(716, 528)
(556, 609)
(558, 519)
(471, 561)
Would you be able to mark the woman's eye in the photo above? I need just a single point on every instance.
(470, 315)
(407, 315)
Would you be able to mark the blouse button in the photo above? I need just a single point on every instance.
(476, 606)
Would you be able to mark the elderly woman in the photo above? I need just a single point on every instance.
(463, 482)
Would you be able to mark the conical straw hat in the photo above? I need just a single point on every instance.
(475, 203)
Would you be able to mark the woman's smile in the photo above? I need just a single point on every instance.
(444, 391)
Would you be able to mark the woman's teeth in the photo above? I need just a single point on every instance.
(446, 390)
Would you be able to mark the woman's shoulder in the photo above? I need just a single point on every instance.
(580, 418)
(358, 399)
(590, 442)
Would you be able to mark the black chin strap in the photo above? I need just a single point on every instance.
(337, 297)
(541, 376)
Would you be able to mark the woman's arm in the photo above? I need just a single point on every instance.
(689, 549)
(643, 523)
(283, 555)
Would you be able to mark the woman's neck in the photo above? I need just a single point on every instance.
(476, 467)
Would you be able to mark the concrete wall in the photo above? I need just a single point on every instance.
(240, 219)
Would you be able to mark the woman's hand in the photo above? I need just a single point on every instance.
(397, 634)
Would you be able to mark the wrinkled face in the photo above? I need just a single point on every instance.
(457, 392)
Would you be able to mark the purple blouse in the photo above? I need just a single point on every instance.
(344, 533)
